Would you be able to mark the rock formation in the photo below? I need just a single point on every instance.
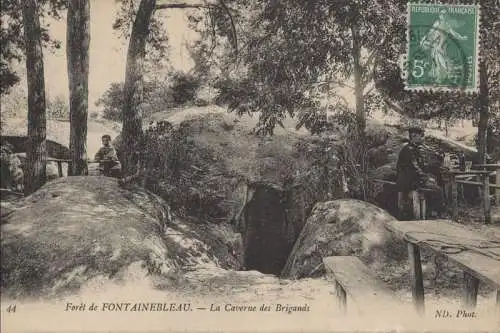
(78, 228)
(342, 228)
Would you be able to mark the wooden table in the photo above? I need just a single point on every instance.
(477, 255)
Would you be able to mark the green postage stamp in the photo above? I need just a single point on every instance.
(443, 47)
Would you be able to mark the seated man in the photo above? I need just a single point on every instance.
(108, 159)
(411, 177)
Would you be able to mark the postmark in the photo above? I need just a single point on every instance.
(442, 47)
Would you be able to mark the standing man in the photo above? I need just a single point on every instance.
(411, 176)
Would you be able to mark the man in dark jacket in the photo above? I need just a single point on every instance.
(411, 175)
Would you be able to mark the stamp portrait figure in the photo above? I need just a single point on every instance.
(435, 42)
(443, 47)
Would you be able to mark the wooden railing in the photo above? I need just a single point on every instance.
(456, 178)
(495, 173)
(451, 177)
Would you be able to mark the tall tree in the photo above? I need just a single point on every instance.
(489, 72)
(36, 153)
(133, 88)
(77, 51)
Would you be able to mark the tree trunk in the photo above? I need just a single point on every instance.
(77, 52)
(358, 85)
(133, 89)
(483, 112)
(35, 171)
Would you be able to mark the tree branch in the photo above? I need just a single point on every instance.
(221, 5)
(339, 83)
(394, 105)
(182, 6)
(233, 26)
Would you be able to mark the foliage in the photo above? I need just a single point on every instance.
(12, 37)
(176, 89)
(57, 108)
(182, 173)
(112, 102)
(184, 87)
(294, 54)
(14, 103)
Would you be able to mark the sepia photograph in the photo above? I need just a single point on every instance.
(250, 166)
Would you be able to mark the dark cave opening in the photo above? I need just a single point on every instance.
(267, 238)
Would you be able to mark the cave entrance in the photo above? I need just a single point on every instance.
(267, 238)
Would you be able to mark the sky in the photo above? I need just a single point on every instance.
(108, 51)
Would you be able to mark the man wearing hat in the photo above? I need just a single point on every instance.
(411, 176)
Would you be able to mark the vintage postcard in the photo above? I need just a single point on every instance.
(250, 166)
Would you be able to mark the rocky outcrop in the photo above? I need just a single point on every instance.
(341, 228)
(78, 228)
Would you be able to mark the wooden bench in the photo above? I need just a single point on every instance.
(353, 278)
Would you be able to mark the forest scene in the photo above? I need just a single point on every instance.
(217, 152)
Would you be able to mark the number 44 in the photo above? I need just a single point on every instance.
(11, 308)
(418, 68)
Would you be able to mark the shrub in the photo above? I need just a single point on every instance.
(182, 173)
(158, 95)
(184, 87)
(57, 108)
(112, 102)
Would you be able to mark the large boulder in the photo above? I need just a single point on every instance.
(76, 229)
(341, 228)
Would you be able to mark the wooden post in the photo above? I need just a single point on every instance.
(454, 198)
(341, 297)
(446, 188)
(471, 285)
(59, 168)
(497, 191)
(498, 301)
(417, 281)
(415, 204)
(401, 204)
(486, 198)
(423, 206)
